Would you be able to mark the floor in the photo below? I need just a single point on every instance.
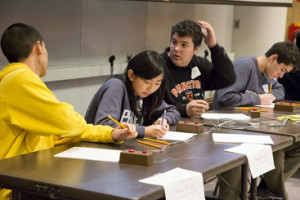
(292, 187)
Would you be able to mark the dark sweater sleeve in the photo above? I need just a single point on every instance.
(110, 103)
(172, 115)
(278, 91)
(234, 95)
(181, 109)
(220, 73)
(141, 131)
(110, 100)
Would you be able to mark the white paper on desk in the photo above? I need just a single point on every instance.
(233, 116)
(179, 136)
(91, 154)
(267, 106)
(241, 138)
(179, 184)
(260, 157)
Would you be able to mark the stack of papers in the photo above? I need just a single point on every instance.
(87, 153)
(267, 106)
(260, 157)
(233, 116)
(242, 138)
(179, 184)
(178, 136)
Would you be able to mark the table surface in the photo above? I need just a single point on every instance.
(268, 117)
(85, 179)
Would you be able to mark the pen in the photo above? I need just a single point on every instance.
(158, 141)
(271, 88)
(163, 117)
(146, 143)
(110, 117)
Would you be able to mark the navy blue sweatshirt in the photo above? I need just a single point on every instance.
(181, 88)
(249, 84)
(112, 99)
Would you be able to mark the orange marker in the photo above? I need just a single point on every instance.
(271, 88)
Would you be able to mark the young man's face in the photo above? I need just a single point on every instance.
(276, 70)
(182, 50)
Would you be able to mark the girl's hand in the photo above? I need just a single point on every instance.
(165, 123)
(155, 131)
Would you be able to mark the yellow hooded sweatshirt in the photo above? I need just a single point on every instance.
(31, 116)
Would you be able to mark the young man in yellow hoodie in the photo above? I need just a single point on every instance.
(30, 115)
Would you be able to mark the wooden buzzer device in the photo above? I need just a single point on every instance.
(285, 107)
(134, 157)
(254, 113)
(189, 127)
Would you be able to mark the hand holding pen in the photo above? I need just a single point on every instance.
(162, 121)
(158, 129)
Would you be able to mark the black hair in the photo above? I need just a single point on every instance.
(188, 28)
(147, 65)
(288, 54)
(17, 41)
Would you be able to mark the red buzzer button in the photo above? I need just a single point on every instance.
(131, 150)
(196, 123)
(144, 151)
(186, 122)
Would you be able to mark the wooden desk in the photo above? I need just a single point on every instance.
(266, 117)
(43, 174)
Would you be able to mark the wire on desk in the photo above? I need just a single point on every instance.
(243, 125)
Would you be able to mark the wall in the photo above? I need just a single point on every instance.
(260, 28)
(162, 16)
(81, 34)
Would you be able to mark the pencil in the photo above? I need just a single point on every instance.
(146, 143)
(158, 141)
(271, 88)
(248, 108)
(110, 117)
(245, 108)
(262, 110)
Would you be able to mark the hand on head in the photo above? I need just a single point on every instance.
(209, 35)
(119, 133)
(266, 99)
(196, 108)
